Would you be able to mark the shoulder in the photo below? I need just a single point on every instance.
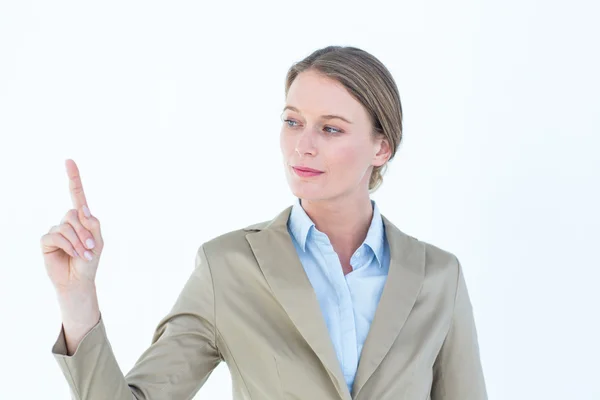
(437, 255)
(434, 257)
(438, 267)
(233, 241)
(441, 265)
(430, 260)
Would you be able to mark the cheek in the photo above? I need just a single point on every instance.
(347, 159)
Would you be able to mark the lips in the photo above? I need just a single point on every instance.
(306, 172)
(306, 169)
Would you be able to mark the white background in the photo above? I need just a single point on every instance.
(171, 110)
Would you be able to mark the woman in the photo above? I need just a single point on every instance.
(328, 300)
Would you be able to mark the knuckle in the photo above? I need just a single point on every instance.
(68, 217)
(65, 228)
(71, 215)
(94, 222)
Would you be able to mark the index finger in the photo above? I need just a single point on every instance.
(75, 186)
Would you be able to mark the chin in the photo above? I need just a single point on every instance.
(304, 191)
(309, 192)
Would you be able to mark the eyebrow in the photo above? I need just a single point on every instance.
(328, 116)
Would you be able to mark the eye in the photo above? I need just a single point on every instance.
(334, 129)
(288, 121)
(329, 129)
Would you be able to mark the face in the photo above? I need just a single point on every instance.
(326, 140)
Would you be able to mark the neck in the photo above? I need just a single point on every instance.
(345, 221)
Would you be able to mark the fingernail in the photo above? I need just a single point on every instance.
(86, 211)
(88, 255)
(90, 243)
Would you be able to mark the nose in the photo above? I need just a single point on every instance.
(305, 144)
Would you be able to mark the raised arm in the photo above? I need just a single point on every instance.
(179, 360)
(183, 350)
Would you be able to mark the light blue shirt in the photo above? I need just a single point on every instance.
(348, 303)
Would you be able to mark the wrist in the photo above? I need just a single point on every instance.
(79, 308)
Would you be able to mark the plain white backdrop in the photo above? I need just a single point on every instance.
(172, 112)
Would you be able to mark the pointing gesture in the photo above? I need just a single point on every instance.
(72, 249)
(76, 188)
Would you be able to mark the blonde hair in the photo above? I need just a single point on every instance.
(369, 82)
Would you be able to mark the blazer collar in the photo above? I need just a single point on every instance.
(274, 250)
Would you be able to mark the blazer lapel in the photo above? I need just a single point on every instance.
(276, 255)
(404, 281)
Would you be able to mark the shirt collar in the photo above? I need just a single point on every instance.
(300, 226)
(376, 234)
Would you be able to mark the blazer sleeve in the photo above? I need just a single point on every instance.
(457, 371)
(181, 356)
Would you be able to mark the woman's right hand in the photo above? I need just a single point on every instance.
(72, 249)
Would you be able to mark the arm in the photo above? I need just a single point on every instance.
(457, 371)
(181, 357)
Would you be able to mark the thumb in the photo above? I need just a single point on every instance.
(92, 224)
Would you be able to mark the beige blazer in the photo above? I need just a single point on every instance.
(249, 303)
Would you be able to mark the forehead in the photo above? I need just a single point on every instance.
(313, 93)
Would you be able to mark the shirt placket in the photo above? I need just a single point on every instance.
(347, 344)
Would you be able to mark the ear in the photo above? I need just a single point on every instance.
(384, 151)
